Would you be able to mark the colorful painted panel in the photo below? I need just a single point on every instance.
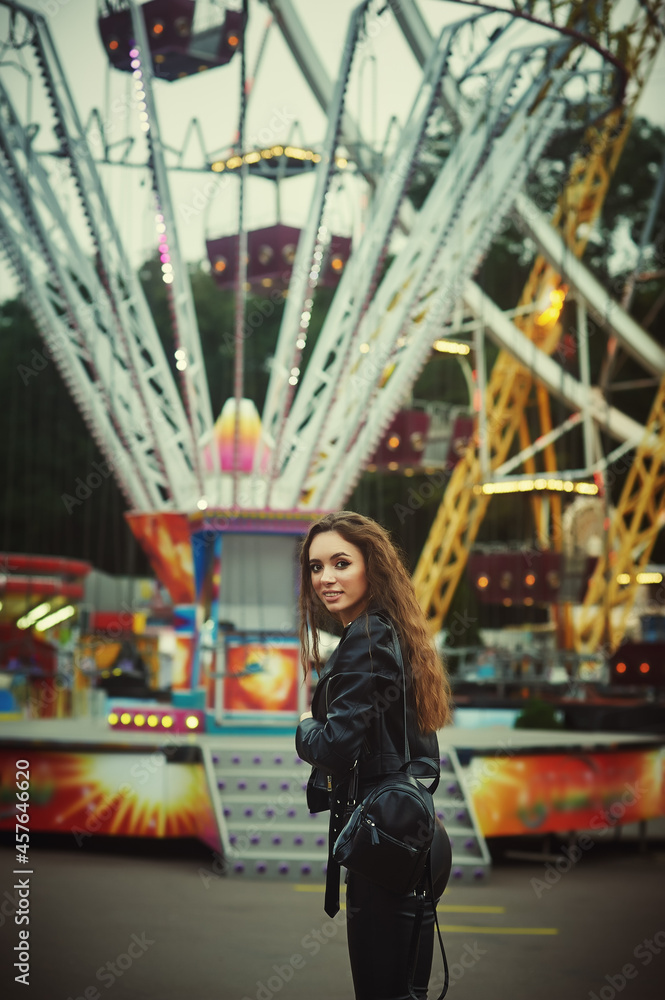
(116, 794)
(261, 675)
(165, 538)
(558, 792)
(185, 653)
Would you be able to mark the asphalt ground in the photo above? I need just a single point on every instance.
(157, 922)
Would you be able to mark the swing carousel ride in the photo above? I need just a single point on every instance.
(507, 80)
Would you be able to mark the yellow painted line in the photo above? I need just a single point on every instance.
(471, 929)
(458, 908)
(463, 908)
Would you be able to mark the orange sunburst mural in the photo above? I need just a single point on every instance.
(554, 792)
(114, 794)
(262, 675)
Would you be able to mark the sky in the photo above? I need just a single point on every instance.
(281, 108)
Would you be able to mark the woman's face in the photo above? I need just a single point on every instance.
(338, 575)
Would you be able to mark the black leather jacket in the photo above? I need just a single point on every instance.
(358, 712)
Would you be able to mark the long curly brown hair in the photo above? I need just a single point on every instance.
(389, 588)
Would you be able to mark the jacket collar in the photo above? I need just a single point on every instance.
(359, 622)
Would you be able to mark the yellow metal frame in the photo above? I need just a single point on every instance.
(634, 527)
(462, 510)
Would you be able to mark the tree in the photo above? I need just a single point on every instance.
(46, 454)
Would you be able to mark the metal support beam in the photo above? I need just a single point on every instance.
(84, 295)
(313, 242)
(605, 310)
(546, 370)
(481, 394)
(307, 57)
(585, 373)
(192, 367)
(536, 447)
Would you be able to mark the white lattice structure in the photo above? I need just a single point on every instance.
(507, 83)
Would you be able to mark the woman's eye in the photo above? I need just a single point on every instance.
(342, 564)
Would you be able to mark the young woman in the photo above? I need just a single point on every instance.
(350, 571)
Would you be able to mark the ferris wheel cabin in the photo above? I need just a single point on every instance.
(179, 48)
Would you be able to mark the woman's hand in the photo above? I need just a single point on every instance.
(306, 715)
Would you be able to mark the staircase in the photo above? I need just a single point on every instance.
(471, 859)
(268, 831)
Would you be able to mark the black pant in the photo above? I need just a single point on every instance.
(379, 925)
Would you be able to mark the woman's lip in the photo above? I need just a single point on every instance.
(332, 596)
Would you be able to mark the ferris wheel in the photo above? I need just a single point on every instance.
(507, 80)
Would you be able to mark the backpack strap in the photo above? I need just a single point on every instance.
(421, 898)
(432, 765)
(426, 881)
